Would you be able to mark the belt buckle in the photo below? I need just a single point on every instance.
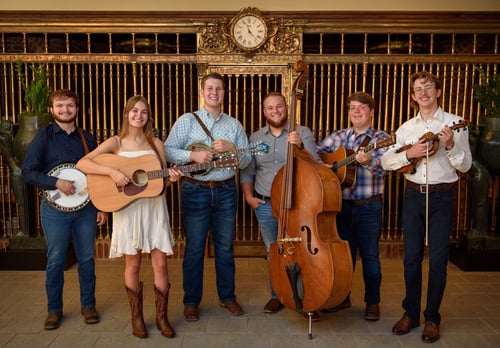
(423, 189)
(212, 184)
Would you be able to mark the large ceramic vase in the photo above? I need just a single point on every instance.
(29, 125)
(489, 144)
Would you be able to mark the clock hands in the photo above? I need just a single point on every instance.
(250, 32)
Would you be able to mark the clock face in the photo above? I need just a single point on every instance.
(249, 32)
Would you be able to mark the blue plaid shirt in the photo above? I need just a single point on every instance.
(186, 131)
(369, 179)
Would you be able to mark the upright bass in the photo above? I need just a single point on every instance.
(310, 266)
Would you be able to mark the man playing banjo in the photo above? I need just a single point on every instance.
(66, 213)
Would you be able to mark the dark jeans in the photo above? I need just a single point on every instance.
(205, 209)
(441, 214)
(361, 226)
(59, 229)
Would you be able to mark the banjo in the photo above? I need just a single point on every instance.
(59, 200)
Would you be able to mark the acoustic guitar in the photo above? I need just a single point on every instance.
(143, 171)
(343, 160)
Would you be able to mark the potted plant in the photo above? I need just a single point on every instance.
(485, 143)
(36, 102)
(487, 93)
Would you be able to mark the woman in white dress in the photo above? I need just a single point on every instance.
(142, 226)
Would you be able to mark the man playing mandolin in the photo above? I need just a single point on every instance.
(428, 204)
(62, 143)
(209, 200)
(360, 221)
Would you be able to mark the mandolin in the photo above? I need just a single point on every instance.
(257, 148)
(429, 137)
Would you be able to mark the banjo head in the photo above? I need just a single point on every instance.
(76, 201)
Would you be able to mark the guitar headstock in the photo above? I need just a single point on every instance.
(258, 148)
(227, 162)
(390, 140)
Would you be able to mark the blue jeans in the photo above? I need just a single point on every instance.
(361, 226)
(205, 208)
(268, 229)
(441, 215)
(59, 229)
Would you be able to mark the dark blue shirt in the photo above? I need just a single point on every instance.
(51, 147)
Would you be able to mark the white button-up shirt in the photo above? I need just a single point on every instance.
(441, 167)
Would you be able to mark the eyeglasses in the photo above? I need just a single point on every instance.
(426, 88)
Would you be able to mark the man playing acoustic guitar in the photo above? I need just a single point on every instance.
(360, 221)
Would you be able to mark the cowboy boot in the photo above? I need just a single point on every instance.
(161, 301)
(135, 299)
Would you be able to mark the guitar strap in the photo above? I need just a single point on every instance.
(365, 142)
(203, 125)
(151, 143)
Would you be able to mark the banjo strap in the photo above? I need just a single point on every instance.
(84, 142)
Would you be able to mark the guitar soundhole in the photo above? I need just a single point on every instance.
(140, 177)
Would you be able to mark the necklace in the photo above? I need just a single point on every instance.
(139, 142)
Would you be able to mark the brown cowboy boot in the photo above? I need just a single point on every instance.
(161, 301)
(135, 299)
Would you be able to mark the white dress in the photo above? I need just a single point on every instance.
(143, 225)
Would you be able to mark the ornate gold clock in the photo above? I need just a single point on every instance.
(249, 31)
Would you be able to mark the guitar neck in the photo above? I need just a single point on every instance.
(352, 158)
(162, 173)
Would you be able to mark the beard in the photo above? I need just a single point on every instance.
(65, 120)
(277, 124)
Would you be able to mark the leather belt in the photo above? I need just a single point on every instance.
(431, 188)
(363, 201)
(210, 184)
(258, 195)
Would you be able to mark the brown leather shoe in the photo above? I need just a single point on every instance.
(191, 313)
(404, 325)
(232, 307)
(314, 317)
(90, 315)
(372, 312)
(430, 333)
(52, 321)
(273, 306)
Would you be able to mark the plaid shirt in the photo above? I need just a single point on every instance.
(369, 179)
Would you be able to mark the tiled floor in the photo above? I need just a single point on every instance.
(470, 311)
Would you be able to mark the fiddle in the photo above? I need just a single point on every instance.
(427, 137)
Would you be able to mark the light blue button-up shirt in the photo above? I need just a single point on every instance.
(187, 131)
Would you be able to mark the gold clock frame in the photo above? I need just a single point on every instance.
(248, 12)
